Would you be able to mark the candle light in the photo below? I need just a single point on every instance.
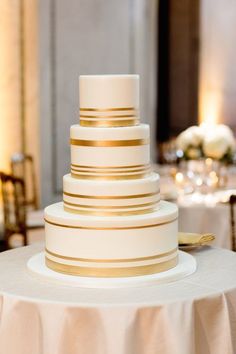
(179, 177)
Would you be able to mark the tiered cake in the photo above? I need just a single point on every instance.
(111, 222)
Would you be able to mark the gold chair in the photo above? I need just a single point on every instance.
(14, 211)
(232, 203)
(22, 166)
(13, 195)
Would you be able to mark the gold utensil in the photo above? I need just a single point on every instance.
(192, 240)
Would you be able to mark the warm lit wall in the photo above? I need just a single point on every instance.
(31, 69)
(217, 89)
(10, 124)
(18, 56)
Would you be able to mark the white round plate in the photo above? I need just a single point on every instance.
(186, 266)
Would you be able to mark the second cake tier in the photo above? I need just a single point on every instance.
(111, 153)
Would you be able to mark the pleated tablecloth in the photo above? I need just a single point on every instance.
(196, 315)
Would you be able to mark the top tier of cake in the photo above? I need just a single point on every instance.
(109, 100)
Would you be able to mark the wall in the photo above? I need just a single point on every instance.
(18, 80)
(10, 123)
(89, 37)
(31, 96)
(217, 91)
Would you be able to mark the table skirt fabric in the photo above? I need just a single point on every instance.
(194, 316)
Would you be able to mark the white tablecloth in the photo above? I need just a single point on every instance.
(202, 214)
(196, 315)
(207, 219)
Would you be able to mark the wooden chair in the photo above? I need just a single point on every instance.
(22, 166)
(14, 210)
(232, 203)
(13, 195)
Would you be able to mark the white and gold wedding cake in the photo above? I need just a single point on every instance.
(111, 222)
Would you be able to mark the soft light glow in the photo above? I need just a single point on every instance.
(179, 177)
(9, 82)
(210, 107)
(213, 179)
(209, 162)
(199, 181)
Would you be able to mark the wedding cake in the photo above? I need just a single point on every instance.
(111, 222)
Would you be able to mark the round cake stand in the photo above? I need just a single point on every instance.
(186, 266)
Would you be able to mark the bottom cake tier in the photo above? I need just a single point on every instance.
(118, 246)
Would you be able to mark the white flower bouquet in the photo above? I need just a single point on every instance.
(213, 141)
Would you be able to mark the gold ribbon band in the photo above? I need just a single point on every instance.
(123, 260)
(113, 206)
(108, 117)
(109, 213)
(111, 272)
(112, 197)
(116, 177)
(101, 172)
(109, 109)
(110, 228)
(110, 167)
(109, 143)
(109, 123)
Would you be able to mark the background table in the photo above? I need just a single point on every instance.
(200, 214)
(192, 316)
(203, 218)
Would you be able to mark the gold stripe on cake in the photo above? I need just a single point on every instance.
(112, 206)
(111, 272)
(119, 260)
(108, 213)
(105, 177)
(111, 197)
(108, 167)
(110, 228)
(109, 109)
(108, 117)
(108, 171)
(109, 143)
(109, 174)
(109, 123)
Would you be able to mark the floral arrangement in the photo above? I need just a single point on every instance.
(213, 141)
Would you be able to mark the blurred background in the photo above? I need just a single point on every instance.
(46, 44)
(183, 50)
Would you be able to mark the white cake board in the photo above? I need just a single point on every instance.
(186, 266)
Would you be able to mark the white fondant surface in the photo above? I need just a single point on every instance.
(103, 237)
(112, 133)
(112, 156)
(148, 184)
(186, 266)
(109, 91)
(56, 213)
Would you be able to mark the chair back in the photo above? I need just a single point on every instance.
(13, 196)
(232, 202)
(22, 166)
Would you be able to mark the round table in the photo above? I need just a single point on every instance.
(194, 315)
